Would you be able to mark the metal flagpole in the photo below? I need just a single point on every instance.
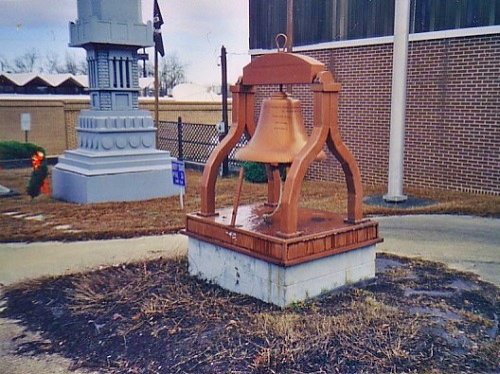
(398, 103)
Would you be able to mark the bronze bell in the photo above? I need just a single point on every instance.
(280, 133)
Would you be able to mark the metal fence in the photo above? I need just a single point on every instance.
(193, 142)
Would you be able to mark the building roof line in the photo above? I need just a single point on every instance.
(432, 35)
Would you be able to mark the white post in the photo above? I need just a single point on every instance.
(181, 198)
(398, 102)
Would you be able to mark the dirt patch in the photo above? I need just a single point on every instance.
(152, 317)
(11, 336)
(43, 218)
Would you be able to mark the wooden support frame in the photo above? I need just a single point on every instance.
(287, 68)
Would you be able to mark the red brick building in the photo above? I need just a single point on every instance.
(452, 136)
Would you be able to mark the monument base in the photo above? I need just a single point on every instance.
(251, 258)
(277, 284)
(93, 177)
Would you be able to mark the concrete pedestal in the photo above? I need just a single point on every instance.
(279, 285)
(93, 178)
(116, 160)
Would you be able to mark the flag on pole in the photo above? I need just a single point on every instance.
(157, 22)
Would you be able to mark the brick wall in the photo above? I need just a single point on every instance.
(54, 120)
(47, 123)
(453, 112)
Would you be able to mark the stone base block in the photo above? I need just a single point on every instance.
(128, 186)
(279, 285)
(94, 177)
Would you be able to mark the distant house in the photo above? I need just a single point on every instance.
(453, 98)
(36, 83)
(56, 84)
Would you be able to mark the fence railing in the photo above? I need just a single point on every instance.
(192, 142)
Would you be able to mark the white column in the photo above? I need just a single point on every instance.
(398, 102)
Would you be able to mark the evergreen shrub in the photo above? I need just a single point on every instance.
(13, 150)
(255, 172)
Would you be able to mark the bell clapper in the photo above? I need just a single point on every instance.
(236, 202)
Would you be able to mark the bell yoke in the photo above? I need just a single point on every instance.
(292, 235)
(271, 143)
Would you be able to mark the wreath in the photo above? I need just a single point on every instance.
(38, 181)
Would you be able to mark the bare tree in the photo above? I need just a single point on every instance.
(73, 66)
(26, 63)
(52, 63)
(4, 64)
(82, 67)
(172, 71)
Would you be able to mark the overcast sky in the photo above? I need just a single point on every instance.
(194, 29)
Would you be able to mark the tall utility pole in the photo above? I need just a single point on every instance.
(223, 63)
(289, 25)
(398, 102)
(289, 33)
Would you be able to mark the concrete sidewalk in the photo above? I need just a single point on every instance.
(461, 242)
(19, 261)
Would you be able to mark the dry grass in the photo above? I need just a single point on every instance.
(295, 336)
(66, 221)
(154, 318)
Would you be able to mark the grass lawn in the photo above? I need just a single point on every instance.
(43, 218)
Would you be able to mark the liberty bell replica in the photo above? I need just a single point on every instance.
(282, 251)
(280, 132)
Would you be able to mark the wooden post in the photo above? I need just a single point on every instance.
(157, 101)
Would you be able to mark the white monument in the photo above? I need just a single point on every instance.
(116, 159)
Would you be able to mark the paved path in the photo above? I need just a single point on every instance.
(19, 261)
(462, 242)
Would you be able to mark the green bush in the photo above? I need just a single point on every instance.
(255, 172)
(12, 150)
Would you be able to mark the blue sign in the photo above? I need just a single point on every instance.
(178, 173)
